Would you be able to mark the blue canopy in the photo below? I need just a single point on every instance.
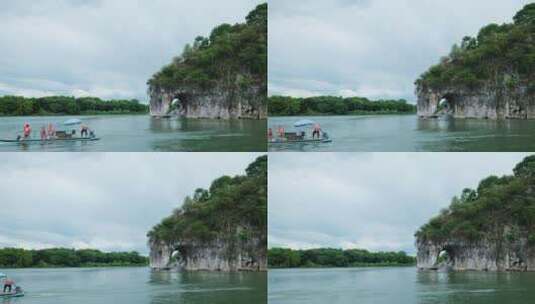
(303, 123)
(2, 275)
(72, 122)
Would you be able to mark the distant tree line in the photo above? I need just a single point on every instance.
(332, 105)
(328, 257)
(63, 257)
(65, 105)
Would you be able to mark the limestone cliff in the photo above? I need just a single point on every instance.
(221, 76)
(493, 102)
(216, 255)
(491, 228)
(484, 255)
(223, 228)
(219, 102)
(491, 75)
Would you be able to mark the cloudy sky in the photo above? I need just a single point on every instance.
(372, 201)
(104, 48)
(371, 48)
(106, 201)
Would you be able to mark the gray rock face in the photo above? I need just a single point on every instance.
(214, 103)
(216, 255)
(489, 102)
(484, 255)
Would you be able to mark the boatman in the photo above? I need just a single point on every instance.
(8, 284)
(83, 130)
(317, 130)
(27, 130)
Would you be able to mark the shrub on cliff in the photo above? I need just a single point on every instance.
(497, 202)
(229, 204)
(503, 53)
(233, 55)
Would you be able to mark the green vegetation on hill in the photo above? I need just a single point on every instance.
(231, 207)
(62, 257)
(65, 105)
(233, 55)
(331, 105)
(502, 54)
(485, 212)
(327, 257)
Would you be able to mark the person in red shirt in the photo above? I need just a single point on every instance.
(270, 134)
(27, 130)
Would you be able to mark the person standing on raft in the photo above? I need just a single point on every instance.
(84, 130)
(27, 130)
(8, 284)
(317, 130)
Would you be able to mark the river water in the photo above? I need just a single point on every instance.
(408, 133)
(142, 133)
(398, 285)
(136, 286)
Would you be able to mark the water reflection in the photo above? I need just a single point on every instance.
(474, 287)
(135, 133)
(208, 287)
(400, 133)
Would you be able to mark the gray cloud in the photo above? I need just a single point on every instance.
(374, 201)
(371, 48)
(107, 201)
(104, 48)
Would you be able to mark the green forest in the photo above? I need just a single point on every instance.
(328, 257)
(233, 207)
(502, 54)
(232, 55)
(331, 105)
(63, 257)
(65, 105)
(481, 213)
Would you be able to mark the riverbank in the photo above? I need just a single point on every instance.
(360, 113)
(67, 105)
(92, 113)
(81, 266)
(357, 265)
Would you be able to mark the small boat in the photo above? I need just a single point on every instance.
(51, 140)
(17, 292)
(304, 141)
(14, 294)
(65, 135)
(300, 135)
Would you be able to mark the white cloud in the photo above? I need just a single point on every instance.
(375, 201)
(106, 48)
(373, 48)
(107, 201)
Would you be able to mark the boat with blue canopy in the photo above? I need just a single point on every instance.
(305, 131)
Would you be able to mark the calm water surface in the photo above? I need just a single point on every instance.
(136, 286)
(408, 133)
(398, 285)
(141, 133)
